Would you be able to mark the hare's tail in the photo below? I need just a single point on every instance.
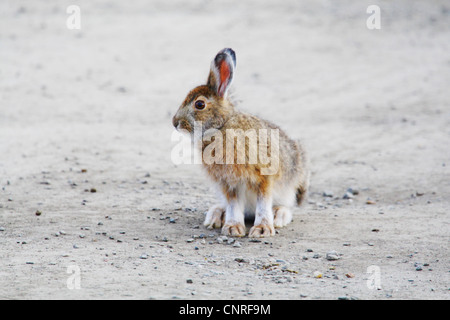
(303, 184)
(300, 195)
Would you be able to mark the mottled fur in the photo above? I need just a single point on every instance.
(243, 189)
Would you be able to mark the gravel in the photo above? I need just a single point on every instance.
(347, 195)
(332, 255)
(328, 194)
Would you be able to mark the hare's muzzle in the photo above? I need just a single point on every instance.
(175, 122)
(181, 124)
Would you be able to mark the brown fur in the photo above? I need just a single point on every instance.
(221, 114)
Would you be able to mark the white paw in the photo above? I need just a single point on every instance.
(215, 217)
(234, 230)
(261, 231)
(282, 216)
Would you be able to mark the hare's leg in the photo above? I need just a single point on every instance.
(215, 217)
(282, 216)
(234, 215)
(263, 226)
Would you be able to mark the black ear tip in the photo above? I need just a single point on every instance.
(230, 52)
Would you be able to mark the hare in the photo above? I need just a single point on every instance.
(244, 189)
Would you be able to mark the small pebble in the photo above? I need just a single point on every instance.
(328, 194)
(317, 274)
(348, 195)
(38, 213)
(332, 255)
(143, 256)
(349, 275)
(353, 190)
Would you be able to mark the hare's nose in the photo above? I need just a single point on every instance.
(175, 121)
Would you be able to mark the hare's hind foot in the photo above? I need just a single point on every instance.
(282, 216)
(215, 217)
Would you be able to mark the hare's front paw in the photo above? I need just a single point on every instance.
(234, 230)
(215, 217)
(262, 230)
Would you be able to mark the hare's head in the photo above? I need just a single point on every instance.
(208, 103)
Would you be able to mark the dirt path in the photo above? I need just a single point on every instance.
(85, 132)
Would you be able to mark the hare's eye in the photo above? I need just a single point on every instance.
(200, 104)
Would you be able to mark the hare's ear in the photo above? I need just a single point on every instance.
(222, 71)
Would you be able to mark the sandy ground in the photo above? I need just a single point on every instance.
(90, 110)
